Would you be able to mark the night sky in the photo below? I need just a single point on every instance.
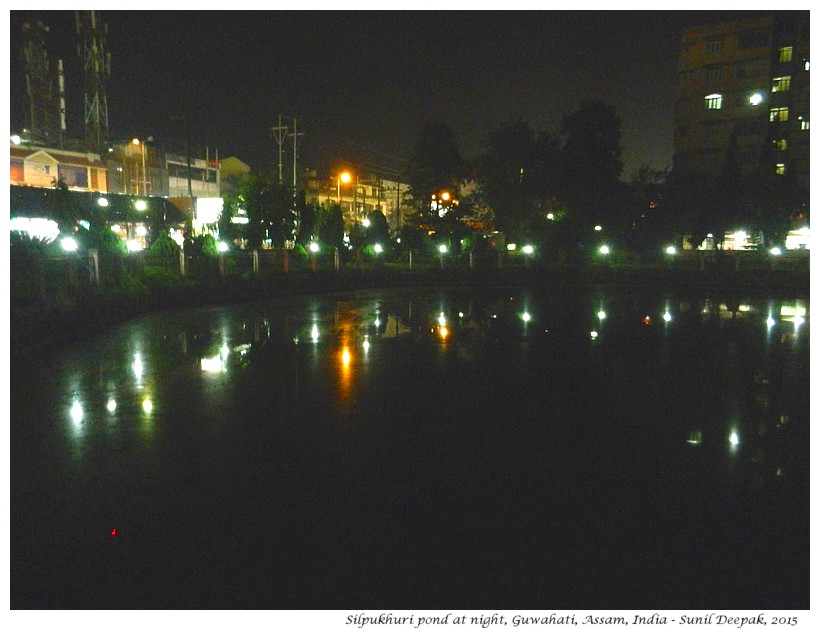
(361, 84)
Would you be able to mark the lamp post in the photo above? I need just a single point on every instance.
(143, 182)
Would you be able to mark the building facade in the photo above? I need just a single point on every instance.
(743, 89)
(359, 197)
(44, 167)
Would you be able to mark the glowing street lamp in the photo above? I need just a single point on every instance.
(604, 250)
(378, 248)
(343, 178)
(671, 250)
(442, 249)
(314, 247)
(69, 244)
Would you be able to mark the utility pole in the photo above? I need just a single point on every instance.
(294, 135)
(279, 132)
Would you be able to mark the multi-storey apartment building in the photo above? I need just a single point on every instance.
(359, 195)
(743, 85)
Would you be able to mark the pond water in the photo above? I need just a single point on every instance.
(427, 449)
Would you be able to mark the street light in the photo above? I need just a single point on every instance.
(442, 249)
(342, 178)
(604, 249)
(144, 181)
(69, 244)
(528, 251)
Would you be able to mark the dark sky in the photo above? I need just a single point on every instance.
(361, 84)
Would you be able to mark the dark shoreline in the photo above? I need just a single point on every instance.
(35, 329)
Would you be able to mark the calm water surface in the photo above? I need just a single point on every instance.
(387, 449)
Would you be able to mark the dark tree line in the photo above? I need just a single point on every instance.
(555, 188)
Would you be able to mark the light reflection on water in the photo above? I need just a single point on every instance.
(223, 345)
(312, 398)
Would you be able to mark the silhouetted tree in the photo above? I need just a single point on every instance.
(436, 165)
(591, 164)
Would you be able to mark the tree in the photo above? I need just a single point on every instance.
(649, 221)
(270, 207)
(591, 163)
(332, 226)
(436, 165)
(504, 173)
(516, 174)
(378, 230)
(64, 208)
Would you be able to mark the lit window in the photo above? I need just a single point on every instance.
(806, 65)
(714, 46)
(713, 101)
(780, 145)
(713, 74)
(784, 54)
(778, 114)
(804, 125)
(780, 169)
(781, 84)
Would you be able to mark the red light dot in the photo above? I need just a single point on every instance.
(114, 533)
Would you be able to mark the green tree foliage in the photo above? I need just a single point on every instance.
(164, 245)
(270, 208)
(310, 222)
(378, 230)
(332, 226)
(207, 245)
(24, 243)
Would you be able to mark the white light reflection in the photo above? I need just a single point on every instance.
(212, 364)
(770, 322)
(147, 406)
(366, 346)
(601, 315)
(442, 321)
(593, 334)
(734, 439)
(76, 412)
(525, 316)
(667, 316)
(314, 333)
(695, 437)
(137, 366)
(111, 406)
